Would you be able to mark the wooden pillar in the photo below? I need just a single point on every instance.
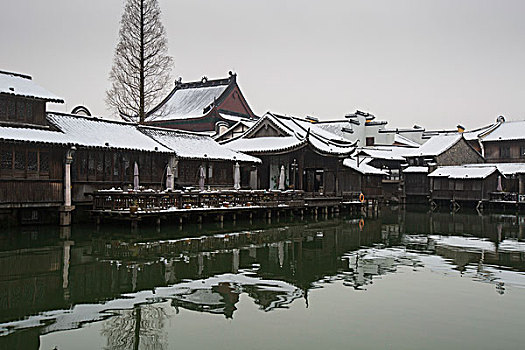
(66, 209)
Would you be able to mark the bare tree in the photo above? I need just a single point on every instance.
(141, 69)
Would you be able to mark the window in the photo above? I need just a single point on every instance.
(107, 166)
(29, 112)
(116, 166)
(6, 160)
(522, 152)
(459, 186)
(504, 152)
(476, 185)
(437, 183)
(32, 161)
(11, 109)
(91, 164)
(44, 162)
(3, 108)
(20, 160)
(21, 110)
(370, 141)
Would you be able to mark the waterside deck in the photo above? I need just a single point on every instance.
(137, 205)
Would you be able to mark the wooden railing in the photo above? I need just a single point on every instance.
(505, 197)
(150, 200)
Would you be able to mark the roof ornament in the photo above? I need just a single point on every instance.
(178, 81)
(500, 119)
(204, 79)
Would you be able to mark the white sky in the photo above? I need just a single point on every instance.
(435, 63)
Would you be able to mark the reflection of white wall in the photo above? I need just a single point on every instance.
(275, 169)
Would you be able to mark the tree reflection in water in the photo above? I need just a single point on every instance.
(142, 326)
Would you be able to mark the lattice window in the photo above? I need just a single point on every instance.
(6, 160)
(44, 162)
(32, 161)
(20, 160)
(3, 108)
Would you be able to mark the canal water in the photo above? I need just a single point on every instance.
(402, 280)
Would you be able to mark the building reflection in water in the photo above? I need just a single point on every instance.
(95, 275)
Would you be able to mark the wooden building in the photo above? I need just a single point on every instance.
(51, 160)
(194, 151)
(210, 106)
(443, 150)
(416, 184)
(363, 178)
(463, 184)
(311, 157)
(31, 162)
(505, 143)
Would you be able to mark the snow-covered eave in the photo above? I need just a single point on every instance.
(277, 150)
(241, 159)
(45, 99)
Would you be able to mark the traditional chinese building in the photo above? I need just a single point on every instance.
(310, 157)
(210, 106)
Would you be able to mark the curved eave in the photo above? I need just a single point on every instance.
(214, 159)
(278, 151)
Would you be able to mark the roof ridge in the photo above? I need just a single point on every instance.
(19, 75)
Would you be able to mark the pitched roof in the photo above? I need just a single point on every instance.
(386, 152)
(405, 141)
(463, 172)
(362, 167)
(96, 132)
(84, 131)
(24, 86)
(265, 144)
(296, 133)
(504, 168)
(509, 130)
(194, 146)
(416, 169)
(190, 100)
(436, 145)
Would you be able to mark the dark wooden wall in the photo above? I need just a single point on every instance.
(31, 174)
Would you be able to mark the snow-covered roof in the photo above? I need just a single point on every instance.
(339, 128)
(96, 132)
(462, 172)
(265, 144)
(405, 141)
(509, 130)
(474, 134)
(386, 152)
(191, 100)
(416, 169)
(504, 168)
(362, 167)
(194, 146)
(187, 103)
(23, 85)
(75, 130)
(436, 145)
(236, 118)
(296, 132)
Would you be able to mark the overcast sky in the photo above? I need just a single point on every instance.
(435, 63)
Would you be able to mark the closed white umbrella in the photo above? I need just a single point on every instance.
(500, 188)
(281, 178)
(202, 177)
(136, 177)
(169, 178)
(237, 177)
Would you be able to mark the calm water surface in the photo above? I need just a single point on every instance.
(404, 280)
